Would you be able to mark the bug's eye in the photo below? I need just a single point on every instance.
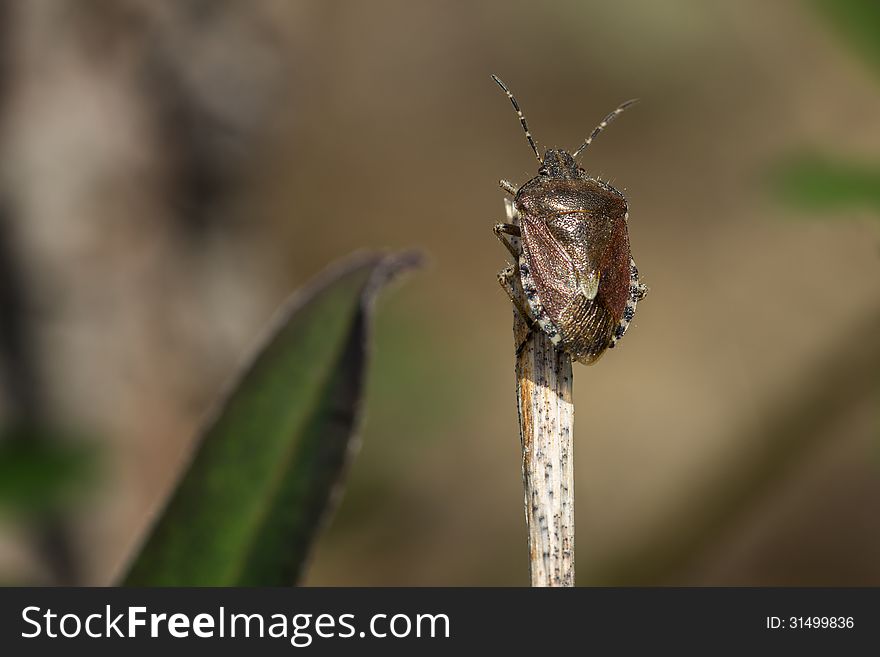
(542, 171)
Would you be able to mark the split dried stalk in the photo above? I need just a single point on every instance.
(546, 428)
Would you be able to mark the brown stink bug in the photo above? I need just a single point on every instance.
(573, 258)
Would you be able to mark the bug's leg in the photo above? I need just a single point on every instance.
(503, 232)
(508, 187)
(509, 283)
(508, 229)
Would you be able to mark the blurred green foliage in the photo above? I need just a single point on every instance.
(42, 472)
(858, 22)
(248, 508)
(814, 181)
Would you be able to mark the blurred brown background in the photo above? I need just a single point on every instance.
(170, 171)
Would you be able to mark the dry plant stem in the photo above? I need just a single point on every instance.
(546, 425)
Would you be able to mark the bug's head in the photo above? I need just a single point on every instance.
(559, 164)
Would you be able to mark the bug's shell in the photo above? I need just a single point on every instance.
(576, 267)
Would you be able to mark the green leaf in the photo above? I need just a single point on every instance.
(858, 21)
(39, 473)
(247, 510)
(815, 182)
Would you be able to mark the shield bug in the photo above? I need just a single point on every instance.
(568, 235)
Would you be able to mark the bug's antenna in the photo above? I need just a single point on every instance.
(604, 124)
(522, 119)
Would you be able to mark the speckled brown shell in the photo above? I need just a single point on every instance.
(573, 228)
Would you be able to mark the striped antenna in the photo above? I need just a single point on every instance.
(522, 119)
(604, 124)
